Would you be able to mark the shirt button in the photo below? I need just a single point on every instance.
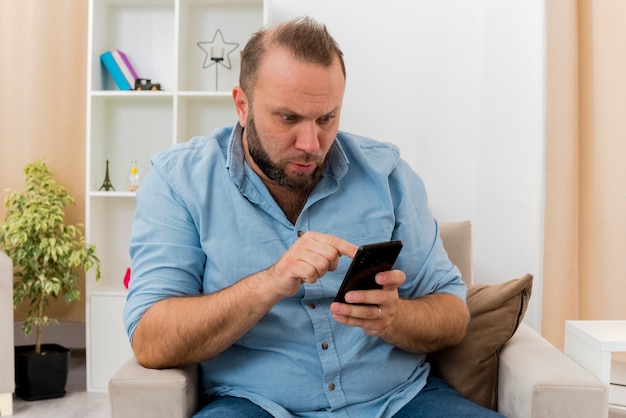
(300, 233)
(312, 305)
(331, 387)
(324, 345)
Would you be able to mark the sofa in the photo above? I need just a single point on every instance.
(7, 371)
(502, 363)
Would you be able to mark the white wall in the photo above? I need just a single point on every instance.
(459, 86)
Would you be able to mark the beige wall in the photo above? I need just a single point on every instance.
(42, 100)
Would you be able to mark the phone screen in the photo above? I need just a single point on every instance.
(369, 260)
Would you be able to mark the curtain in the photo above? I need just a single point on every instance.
(43, 50)
(584, 271)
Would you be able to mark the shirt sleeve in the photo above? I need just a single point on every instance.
(423, 259)
(167, 260)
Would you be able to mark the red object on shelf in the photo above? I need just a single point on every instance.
(127, 278)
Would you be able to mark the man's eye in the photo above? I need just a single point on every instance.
(288, 118)
(327, 118)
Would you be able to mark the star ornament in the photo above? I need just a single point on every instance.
(218, 42)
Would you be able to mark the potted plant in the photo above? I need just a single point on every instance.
(48, 256)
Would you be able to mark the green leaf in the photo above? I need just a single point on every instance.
(47, 254)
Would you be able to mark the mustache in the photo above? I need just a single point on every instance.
(306, 157)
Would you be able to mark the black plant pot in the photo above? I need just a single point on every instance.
(41, 376)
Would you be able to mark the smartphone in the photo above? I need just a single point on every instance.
(369, 260)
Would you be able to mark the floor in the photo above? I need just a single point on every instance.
(76, 403)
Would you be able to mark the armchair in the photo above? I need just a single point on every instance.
(530, 377)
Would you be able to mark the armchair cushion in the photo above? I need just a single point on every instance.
(496, 312)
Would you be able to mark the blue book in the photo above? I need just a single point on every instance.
(117, 75)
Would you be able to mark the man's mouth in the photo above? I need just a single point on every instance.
(302, 167)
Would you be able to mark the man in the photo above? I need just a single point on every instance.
(241, 239)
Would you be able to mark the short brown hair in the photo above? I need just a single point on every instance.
(305, 38)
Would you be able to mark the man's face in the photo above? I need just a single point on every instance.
(293, 120)
(275, 171)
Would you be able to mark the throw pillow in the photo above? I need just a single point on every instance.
(472, 366)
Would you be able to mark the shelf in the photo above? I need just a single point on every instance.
(127, 3)
(200, 115)
(112, 194)
(206, 94)
(236, 20)
(131, 94)
(143, 30)
(214, 4)
(160, 38)
(126, 130)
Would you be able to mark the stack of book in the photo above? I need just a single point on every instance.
(120, 68)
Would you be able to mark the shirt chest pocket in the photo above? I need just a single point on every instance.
(373, 230)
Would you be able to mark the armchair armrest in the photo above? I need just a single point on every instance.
(537, 380)
(135, 391)
(7, 376)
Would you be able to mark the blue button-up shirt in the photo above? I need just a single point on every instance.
(205, 220)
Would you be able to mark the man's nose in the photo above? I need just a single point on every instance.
(307, 139)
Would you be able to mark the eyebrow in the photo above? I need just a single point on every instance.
(287, 111)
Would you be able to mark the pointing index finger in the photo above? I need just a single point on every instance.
(342, 246)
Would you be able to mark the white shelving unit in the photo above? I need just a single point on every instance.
(160, 37)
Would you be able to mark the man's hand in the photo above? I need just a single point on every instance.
(185, 330)
(308, 259)
(421, 325)
(373, 310)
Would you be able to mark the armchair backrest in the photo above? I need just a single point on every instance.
(457, 240)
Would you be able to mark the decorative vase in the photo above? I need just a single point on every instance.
(41, 376)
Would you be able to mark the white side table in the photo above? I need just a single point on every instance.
(591, 343)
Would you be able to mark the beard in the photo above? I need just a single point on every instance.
(276, 171)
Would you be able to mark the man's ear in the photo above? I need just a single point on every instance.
(241, 105)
